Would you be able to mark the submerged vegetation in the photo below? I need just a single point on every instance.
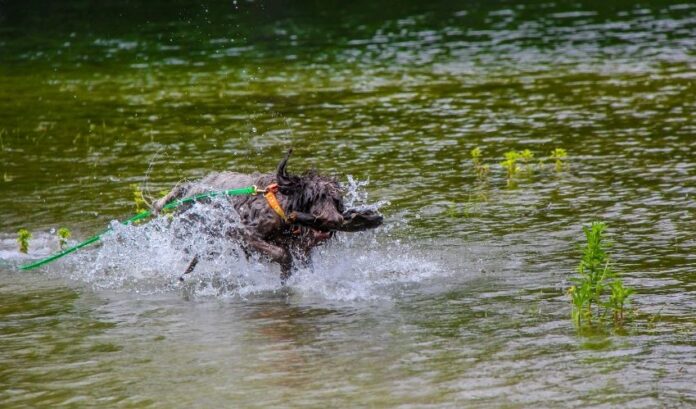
(598, 291)
(23, 237)
(100, 95)
(516, 162)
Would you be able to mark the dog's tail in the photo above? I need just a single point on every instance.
(282, 172)
(177, 192)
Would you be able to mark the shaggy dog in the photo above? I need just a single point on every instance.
(311, 211)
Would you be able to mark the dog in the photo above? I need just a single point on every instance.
(295, 214)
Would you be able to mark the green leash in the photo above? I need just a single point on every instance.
(249, 190)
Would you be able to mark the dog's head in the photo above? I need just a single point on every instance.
(311, 193)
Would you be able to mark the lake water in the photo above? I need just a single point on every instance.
(458, 301)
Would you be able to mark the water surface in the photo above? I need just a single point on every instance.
(458, 301)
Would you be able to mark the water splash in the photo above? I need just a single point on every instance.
(356, 195)
(150, 258)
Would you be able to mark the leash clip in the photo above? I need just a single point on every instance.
(272, 188)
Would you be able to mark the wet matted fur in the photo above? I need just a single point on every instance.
(314, 204)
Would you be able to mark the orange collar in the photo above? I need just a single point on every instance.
(272, 200)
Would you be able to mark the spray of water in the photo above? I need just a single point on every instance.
(150, 258)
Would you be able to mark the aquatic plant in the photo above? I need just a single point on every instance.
(594, 266)
(63, 236)
(580, 298)
(617, 300)
(481, 169)
(476, 156)
(467, 208)
(653, 319)
(23, 237)
(596, 276)
(138, 199)
(526, 156)
(510, 164)
(558, 155)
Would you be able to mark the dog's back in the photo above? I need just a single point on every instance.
(308, 211)
(216, 181)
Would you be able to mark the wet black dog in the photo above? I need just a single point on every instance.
(299, 213)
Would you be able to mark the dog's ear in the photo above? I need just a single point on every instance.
(287, 183)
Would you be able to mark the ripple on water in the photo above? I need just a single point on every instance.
(458, 300)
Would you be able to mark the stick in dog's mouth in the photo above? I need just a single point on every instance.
(353, 220)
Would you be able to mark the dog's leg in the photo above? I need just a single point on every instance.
(276, 253)
(301, 254)
(285, 272)
(190, 267)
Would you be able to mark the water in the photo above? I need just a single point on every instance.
(458, 301)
